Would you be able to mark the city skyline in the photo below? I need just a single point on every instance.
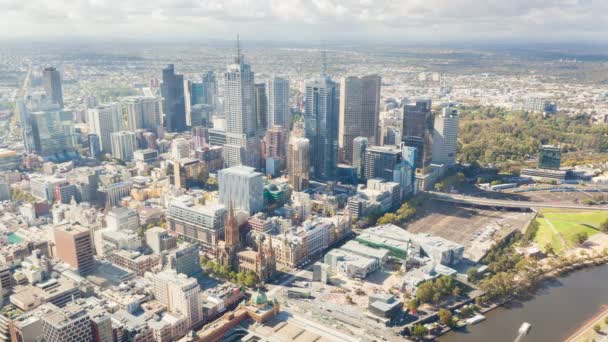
(413, 20)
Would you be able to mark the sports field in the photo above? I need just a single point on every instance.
(559, 227)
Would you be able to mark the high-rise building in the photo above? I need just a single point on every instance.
(199, 137)
(417, 128)
(278, 102)
(184, 259)
(550, 157)
(275, 148)
(174, 105)
(123, 145)
(94, 145)
(206, 91)
(180, 148)
(242, 187)
(74, 246)
(298, 163)
(122, 218)
(261, 107)
(242, 144)
(104, 120)
(179, 293)
(445, 137)
(359, 112)
(360, 144)
(52, 85)
(53, 132)
(380, 161)
(322, 104)
(143, 112)
(188, 101)
(197, 223)
(71, 323)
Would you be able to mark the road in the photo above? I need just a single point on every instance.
(480, 201)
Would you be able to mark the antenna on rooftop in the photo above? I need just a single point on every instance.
(238, 49)
(324, 59)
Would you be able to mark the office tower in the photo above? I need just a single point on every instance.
(94, 145)
(197, 223)
(159, 239)
(53, 132)
(10, 160)
(123, 145)
(261, 107)
(359, 146)
(242, 188)
(52, 85)
(417, 128)
(242, 144)
(199, 137)
(122, 218)
(188, 101)
(380, 161)
(179, 293)
(25, 125)
(212, 158)
(359, 112)
(65, 193)
(187, 173)
(74, 246)
(445, 137)
(103, 121)
(143, 112)
(278, 102)
(550, 157)
(184, 259)
(174, 105)
(71, 323)
(180, 148)
(275, 149)
(322, 104)
(201, 114)
(298, 162)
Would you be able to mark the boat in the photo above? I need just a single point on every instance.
(525, 328)
(476, 319)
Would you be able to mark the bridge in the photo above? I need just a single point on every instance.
(508, 204)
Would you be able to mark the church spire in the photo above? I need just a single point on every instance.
(232, 228)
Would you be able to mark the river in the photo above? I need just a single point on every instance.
(557, 310)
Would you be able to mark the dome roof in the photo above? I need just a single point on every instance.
(258, 298)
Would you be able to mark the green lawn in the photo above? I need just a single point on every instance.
(568, 223)
(546, 236)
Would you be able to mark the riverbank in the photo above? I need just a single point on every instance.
(555, 310)
(587, 331)
(529, 283)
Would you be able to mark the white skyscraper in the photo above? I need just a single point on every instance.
(103, 121)
(123, 145)
(143, 112)
(445, 137)
(180, 148)
(278, 102)
(242, 145)
(179, 293)
(242, 187)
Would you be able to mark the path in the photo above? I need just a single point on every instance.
(559, 236)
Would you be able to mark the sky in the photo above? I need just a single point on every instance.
(307, 20)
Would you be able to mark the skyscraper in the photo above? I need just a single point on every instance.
(242, 144)
(52, 85)
(174, 106)
(360, 144)
(94, 145)
(321, 116)
(53, 132)
(261, 108)
(417, 128)
(278, 102)
(298, 162)
(123, 145)
(74, 246)
(241, 187)
(445, 137)
(103, 121)
(275, 147)
(359, 112)
(380, 161)
(143, 112)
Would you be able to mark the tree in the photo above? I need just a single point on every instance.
(597, 328)
(413, 305)
(419, 331)
(472, 275)
(604, 226)
(445, 317)
(549, 249)
(439, 186)
(425, 292)
(580, 238)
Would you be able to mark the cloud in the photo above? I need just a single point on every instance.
(308, 19)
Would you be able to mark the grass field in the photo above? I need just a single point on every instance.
(567, 224)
